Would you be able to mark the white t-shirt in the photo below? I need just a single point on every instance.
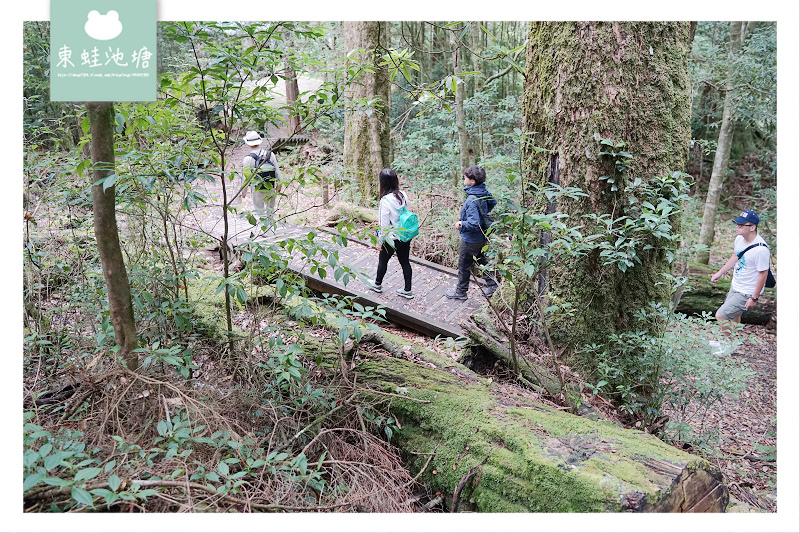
(755, 260)
(389, 215)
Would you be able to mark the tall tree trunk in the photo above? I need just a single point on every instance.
(625, 81)
(101, 121)
(722, 156)
(292, 92)
(291, 89)
(366, 135)
(475, 59)
(461, 125)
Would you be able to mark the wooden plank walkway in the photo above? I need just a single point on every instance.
(430, 312)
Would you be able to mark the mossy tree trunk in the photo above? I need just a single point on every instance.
(101, 121)
(624, 81)
(366, 135)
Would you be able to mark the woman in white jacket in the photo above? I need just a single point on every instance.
(392, 198)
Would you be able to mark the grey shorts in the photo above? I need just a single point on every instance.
(734, 305)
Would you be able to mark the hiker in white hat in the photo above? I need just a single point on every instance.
(261, 166)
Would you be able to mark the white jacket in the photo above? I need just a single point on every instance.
(388, 216)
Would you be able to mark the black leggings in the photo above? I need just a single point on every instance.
(402, 249)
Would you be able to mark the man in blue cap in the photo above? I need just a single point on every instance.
(749, 269)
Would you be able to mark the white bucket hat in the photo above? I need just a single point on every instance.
(252, 138)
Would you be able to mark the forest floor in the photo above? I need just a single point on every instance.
(745, 450)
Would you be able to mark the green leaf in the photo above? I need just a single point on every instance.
(223, 469)
(82, 496)
(57, 482)
(530, 269)
(87, 473)
(108, 181)
(30, 458)
(344, 334)
(31, 480)
(52, 461)
(241, 295)
(114, 482)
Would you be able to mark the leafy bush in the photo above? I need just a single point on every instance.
(675, 370)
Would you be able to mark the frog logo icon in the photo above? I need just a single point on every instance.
(103, 27)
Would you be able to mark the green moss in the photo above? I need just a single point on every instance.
(209, 307)
(587, 78)
(529, 459)
(465, 426)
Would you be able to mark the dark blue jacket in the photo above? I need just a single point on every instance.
(470, 217)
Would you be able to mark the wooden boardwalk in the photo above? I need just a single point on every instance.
(430, 312)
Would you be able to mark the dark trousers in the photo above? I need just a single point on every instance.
(403, 249)
(468, 254)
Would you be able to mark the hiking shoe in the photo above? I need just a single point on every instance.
(377, 287)
(405, 294)
(456, 295)
(489, 291)
(721, 347)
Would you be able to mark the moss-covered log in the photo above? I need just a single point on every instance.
(502, 452)
(701, 296)
(529, 457)
(344, 211)
(510, 454)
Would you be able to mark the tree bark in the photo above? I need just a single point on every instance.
(475, 59)
(292, 92)
(366, 135)
(101, 120)
(625, 81)
(461, 125)
(724, 141)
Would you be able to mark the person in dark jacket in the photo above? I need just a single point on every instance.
(473, 236)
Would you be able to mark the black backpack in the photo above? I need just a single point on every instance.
(266, 177)
(770, 278)
(486, 220)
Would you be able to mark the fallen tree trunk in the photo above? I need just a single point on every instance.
(531, 457)
(487, 449)
(462, 435)
(534, 374)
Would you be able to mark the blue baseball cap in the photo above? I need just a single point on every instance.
(747, 216)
